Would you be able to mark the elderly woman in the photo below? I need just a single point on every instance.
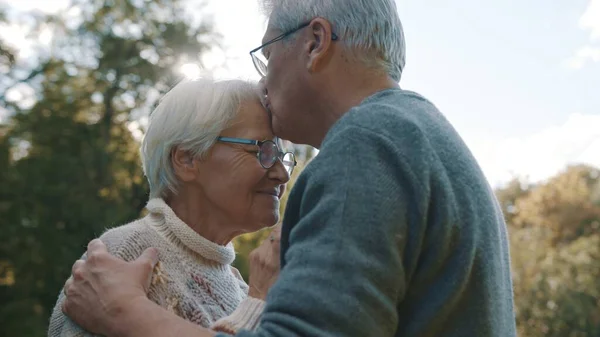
(215, 171)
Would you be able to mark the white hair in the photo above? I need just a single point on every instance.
(189, 117)
(370, 28)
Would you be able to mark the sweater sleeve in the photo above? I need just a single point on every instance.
(245, 317)
(349, 219)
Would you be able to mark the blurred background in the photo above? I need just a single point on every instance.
(519, 80)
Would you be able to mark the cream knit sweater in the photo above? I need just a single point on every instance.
(194, 278)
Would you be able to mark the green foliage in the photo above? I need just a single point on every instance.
(244, 244)
(69, 164)
(7, 55)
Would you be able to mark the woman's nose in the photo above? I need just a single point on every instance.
(278, 172)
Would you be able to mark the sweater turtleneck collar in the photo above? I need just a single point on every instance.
(173, 228)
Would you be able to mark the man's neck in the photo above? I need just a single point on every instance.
(343, 96)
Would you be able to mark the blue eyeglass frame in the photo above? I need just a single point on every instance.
(259, 143)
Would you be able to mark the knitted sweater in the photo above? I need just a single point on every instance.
(194, 278)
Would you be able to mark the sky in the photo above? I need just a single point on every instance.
(519, 80)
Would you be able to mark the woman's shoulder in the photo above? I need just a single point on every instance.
(130, 240)
(127, 242)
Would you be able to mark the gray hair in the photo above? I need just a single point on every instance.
(370, 28)
(190, 117)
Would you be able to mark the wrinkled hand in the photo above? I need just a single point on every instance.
(102, 286)
(264, 265)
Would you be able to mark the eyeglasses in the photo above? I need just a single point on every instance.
(268, 152)
(259, 59)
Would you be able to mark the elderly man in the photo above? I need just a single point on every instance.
(392, 230)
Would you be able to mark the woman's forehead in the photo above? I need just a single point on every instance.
(252, 122)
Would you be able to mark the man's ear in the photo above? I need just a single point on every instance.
(319, 45)
(184, 165)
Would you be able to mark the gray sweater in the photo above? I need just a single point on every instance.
(392, 230)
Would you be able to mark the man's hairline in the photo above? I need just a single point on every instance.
(353, 53)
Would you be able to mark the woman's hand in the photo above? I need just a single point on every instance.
(102, 286)
(264, 265)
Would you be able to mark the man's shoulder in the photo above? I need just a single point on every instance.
(391, 116)
(389, 113)
(383, 136)
(396, 103)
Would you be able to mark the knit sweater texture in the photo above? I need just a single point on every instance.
(193, 279)
(392, 230)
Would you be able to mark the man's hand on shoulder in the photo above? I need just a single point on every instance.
(102, 288)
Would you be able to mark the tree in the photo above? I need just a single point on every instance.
(566, 205)
(7, 54)
(508, 196)
(554, 232)
(69, 163)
